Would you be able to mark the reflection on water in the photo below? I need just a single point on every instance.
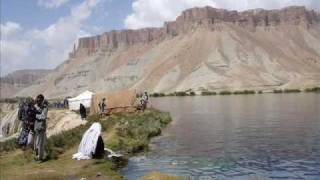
(266, 136)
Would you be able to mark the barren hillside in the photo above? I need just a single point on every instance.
(204, 48)
(18, 80)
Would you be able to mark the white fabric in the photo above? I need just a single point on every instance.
(83, 98)
(88, 143)
(111, 153)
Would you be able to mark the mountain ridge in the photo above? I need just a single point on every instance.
(20, 79)
(203, 49)
(292, 15)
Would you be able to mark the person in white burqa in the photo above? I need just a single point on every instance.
(88, 143)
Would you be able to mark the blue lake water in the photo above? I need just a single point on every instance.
(268, 136)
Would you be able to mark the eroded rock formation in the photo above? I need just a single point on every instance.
(203, 49)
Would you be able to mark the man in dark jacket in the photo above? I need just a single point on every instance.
(40, 127)
(26, 114)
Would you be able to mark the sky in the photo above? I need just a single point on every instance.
(39, 34)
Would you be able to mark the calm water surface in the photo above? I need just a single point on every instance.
(269, 136)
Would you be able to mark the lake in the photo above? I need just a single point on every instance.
(267, 136)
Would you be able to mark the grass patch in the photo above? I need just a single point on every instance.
(133, 134)
(128, 133)
(244, 92)
(180, 93)
(208, 93)
(157, 95)
(278, 91)
(314, 89)
(225, 93)
(9, 145)
(292, 91)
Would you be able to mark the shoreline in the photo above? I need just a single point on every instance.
(235, 92)
(127, 133)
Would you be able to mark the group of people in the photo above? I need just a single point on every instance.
(142, 106)
(33, 115)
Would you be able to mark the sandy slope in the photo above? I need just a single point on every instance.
(58, 121)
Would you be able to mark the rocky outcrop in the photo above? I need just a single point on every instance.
(206, 17)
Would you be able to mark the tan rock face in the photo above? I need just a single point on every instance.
(207, 16)
(204, 48)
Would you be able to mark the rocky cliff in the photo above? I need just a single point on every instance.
(193, 18)
(204, 48)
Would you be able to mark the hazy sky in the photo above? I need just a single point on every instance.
(40, 33)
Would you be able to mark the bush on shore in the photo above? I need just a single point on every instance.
(244, 92)
(315, 89)
(292, 91)
(133, 133)
(157, 95)
(208, 93)
(225, 93)
(277, 91)
(180, 93)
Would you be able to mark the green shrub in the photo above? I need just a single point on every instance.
(277, 91)
(58, 144)
(133, 133)
(192, 93)
(260, 92)
(8, 145)
(244, 92)
(157, 95)
(315, 89)
(225, 93)
(208, 93)
(292, 91)
(180, 93)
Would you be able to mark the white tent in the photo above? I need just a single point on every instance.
(83, 98)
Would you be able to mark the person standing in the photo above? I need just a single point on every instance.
(144, 100)
(26, 114)
(102, 106)
(23, 117)
(83, 111)
(40, 126)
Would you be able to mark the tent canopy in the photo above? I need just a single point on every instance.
(83, 98)
(118, 101)
(84, 95)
